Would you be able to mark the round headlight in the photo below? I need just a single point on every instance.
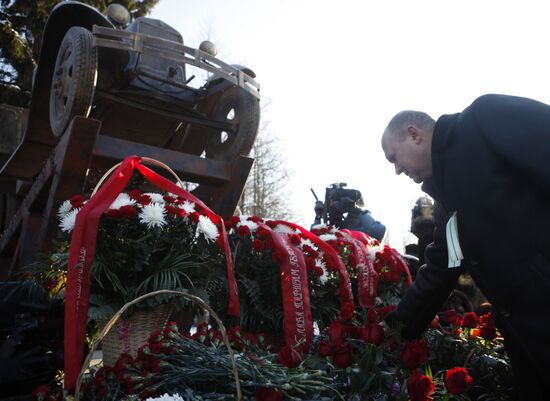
(118, 14)
(209, 48)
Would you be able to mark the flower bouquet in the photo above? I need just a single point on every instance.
(145, 242)
(126, 244)
(288, 283)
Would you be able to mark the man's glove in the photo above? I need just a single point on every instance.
(393, 320)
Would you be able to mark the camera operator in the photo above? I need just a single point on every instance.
(343, 209)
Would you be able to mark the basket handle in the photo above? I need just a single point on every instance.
(117, 316)
(143, 159)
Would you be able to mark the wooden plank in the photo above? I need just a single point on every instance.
(109, 150)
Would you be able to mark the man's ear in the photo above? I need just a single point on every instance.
(414, 134)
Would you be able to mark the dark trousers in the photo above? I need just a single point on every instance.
(525, 324)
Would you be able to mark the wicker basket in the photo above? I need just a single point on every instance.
(132, 332)
(114, 320)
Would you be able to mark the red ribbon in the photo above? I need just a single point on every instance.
(333, 259)
(82, 251)
(294, 285)
(367, 277)
(401, 265)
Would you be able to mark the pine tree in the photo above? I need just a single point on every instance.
(21, 26)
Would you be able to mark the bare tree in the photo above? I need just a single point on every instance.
(265, 193)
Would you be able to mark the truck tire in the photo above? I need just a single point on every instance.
(233, 104)
(239, 106)
(73, 80)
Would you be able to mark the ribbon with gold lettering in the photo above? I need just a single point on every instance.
(294, 285)
(367, 277)
(332, 258)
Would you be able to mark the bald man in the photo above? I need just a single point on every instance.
(488, 169)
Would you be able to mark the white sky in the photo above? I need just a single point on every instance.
(336, 72)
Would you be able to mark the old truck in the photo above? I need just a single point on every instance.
(146, 92)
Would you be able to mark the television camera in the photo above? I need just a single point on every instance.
(339, 200)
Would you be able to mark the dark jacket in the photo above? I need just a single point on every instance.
(491, 164)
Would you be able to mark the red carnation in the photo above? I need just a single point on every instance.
(325, 348)
(310, 251)
(420, 387)
(318, 271)
(144, 200)
(289, 357)
(457, 379)
(243, 231)
(347, 311)
(342, 354)
(262, 232)
(77, 201)
(487, 327)
(373, 334)
(194, 217)
(232, 222)
(295, 239)
(338, 331)
(128, 211)
(383, 311)
(114, 214)
(255, 219)
(451, 317)
(135, 194)
(469, 320)
(268, 394)
(414, 354)
(257, 245)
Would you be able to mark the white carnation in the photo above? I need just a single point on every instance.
(284, 229)
(67, 221)
(155, 197)
(248, 223)
(189, 207)
(308, 242)
(322, 265)
(166, 397)
(153, 215)
(207, 228)
(64, 209)
(123, 199)
(328, 237)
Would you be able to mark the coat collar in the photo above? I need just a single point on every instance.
(443, 136)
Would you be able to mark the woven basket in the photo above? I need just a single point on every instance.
(128, 334)
(114, 320)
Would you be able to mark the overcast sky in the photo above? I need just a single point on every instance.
(335, 72)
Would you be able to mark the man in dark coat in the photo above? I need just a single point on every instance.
(488, 169)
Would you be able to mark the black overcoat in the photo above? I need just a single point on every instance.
(491, 165)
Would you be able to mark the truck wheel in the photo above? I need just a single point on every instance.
(238, 106)
(73, 80)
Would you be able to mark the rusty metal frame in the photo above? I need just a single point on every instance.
(142, 43)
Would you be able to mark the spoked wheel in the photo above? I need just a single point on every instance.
(237, 106)
(234, 105)
(73, 80)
